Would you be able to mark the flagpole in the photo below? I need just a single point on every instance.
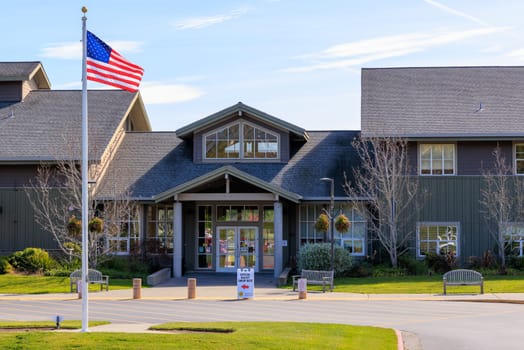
(85, 174)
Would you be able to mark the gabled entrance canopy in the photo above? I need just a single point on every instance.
(196, 188)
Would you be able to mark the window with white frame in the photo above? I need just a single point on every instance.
(241, 140)
(519, 158)
(437, 159)
(436, 237)
(159, 234)
(308, 217)
(353, 241)
(514, 237)
(125, 236)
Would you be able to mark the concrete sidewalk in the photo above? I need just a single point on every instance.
(223, 287)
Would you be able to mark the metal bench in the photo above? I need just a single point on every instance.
(93, 277)
(316, 277)
(463, 277)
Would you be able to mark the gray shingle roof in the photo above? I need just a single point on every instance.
(443, 102)
(154, 162)
(21, 71)
(47, 125)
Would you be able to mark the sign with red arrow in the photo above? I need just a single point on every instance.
(245, 283)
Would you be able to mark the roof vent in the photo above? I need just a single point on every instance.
(11, 115)
(480, 109)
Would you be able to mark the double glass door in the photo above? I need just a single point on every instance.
(237, 248)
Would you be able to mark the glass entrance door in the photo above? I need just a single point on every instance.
(237, 248)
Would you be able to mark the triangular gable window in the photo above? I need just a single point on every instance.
(241, 140)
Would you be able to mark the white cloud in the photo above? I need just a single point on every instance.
(519, 54)
(73, 50)
(345, 56)
(206, 21)
(158, 93)
(455, 12)
(66, 51)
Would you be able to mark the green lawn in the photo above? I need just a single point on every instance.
(22, 284)
(423, 285)
(32, 284)
(245, 335)
(67, 324)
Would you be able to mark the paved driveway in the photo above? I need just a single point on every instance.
(440, 324)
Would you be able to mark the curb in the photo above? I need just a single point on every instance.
(400, 341)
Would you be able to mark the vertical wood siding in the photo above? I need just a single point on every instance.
(18, 229)
(457, 199)
(10, 91)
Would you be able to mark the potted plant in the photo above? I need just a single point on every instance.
(342, 223)
(96, 225)
(322, 224)
(74, 226)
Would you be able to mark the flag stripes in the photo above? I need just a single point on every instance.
(105, 65)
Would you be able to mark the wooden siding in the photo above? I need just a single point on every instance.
(471, 156)
(17, 175)
(27, 87)
(474, 156)
(456, 199)
(10, 91)
(18, 229)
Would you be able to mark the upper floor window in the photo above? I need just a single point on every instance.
(241, 141)
(437, 159)
(519, 158)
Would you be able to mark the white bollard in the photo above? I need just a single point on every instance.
(302, 288)
(79, 288)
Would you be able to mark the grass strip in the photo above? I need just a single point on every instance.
(246, 335)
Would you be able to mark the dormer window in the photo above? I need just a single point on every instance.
(241, 140)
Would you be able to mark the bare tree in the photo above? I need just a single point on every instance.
(502, 200)
(383, 179)
(56, 198)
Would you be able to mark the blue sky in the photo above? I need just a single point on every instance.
(298, 60)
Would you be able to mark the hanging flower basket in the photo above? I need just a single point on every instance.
(96, 225)
(74, 226)
(322, 224)
(342, 223)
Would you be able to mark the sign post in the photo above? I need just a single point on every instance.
(245, 283)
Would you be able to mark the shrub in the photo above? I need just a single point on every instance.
(5, 266)
(386, 271)
(360, 269)
(124, 267)
(516, 262)
(317, 256)
(412, 266)
(441, 263)
(32, 260)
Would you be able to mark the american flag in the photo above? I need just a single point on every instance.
(107, 66)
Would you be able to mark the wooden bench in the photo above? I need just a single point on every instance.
(463, 277)
(323, 278)
(93, 277)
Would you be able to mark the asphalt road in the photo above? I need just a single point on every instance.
(440, 325)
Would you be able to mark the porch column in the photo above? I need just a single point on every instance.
(177, 239)
(278, 238)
